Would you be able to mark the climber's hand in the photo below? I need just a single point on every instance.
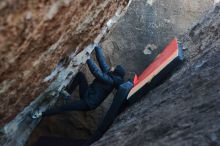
(81, 58)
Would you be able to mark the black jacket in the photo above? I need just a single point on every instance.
(105, 81)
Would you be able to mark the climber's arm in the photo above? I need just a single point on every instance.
(98, 73)
(101, 59)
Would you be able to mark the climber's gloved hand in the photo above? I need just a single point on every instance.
(85, 57)
(96, 45)
(81, 58)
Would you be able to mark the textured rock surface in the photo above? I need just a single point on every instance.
(185, 109)
(133, 32)
(34, 36)
(78, 124)
(28, 55)
(154, 23)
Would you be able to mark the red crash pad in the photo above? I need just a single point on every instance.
(170, 53)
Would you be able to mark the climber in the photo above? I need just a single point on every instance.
(91, 96)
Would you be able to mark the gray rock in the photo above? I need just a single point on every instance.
(185, 109)
(150, 22)
(180, 111)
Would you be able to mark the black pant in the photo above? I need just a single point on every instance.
(80, 80)
(119, 103)
(80, 105)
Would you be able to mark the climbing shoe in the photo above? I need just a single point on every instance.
(37, 114)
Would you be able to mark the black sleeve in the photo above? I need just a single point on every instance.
(98, 73)
(101, 60)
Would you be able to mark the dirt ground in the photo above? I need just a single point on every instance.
(34, 36)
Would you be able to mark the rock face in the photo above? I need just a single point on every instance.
(185, 109)
(34, 36)
(151, 23)
(131, 35)
(47, 35)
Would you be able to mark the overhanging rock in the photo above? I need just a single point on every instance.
(17, 131)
